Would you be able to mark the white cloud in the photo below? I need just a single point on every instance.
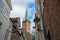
(19, 2)
(31, 0)
(18, 11)
(19, 8)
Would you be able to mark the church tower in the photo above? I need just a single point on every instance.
(26, 22)
(26, 27)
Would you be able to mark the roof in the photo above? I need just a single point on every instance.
(26, 20)
(15, 19)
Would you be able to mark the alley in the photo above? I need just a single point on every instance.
(29, 19)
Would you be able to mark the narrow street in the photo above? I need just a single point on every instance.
(29, 19)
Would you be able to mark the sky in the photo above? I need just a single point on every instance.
(19, 9)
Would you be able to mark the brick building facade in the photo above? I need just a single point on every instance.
(51, 19)
(16, 33)
(26, 29)
(26, 26)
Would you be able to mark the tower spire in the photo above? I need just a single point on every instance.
(26, 14)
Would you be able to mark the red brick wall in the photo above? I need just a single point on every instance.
(26, 26)
(51, 18)
(28, 36)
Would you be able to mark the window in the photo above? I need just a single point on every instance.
(6, 14)
(15, 23)
(18, 25)
(1, 6)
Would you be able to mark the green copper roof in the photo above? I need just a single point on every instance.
(26, 15)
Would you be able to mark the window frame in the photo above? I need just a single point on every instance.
(1, 6)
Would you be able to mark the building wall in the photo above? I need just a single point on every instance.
(26, 26)
(26, 29)
(10, 29)
(28, 36)
(15, 35)
(39, 11)
(4, 18)
(51, 18)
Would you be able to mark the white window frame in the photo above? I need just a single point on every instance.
(6, 14)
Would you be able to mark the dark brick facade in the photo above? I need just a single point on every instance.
(51, 18)
(15, 34)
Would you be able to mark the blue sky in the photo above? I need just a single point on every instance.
(19, 9)
(31, 6)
